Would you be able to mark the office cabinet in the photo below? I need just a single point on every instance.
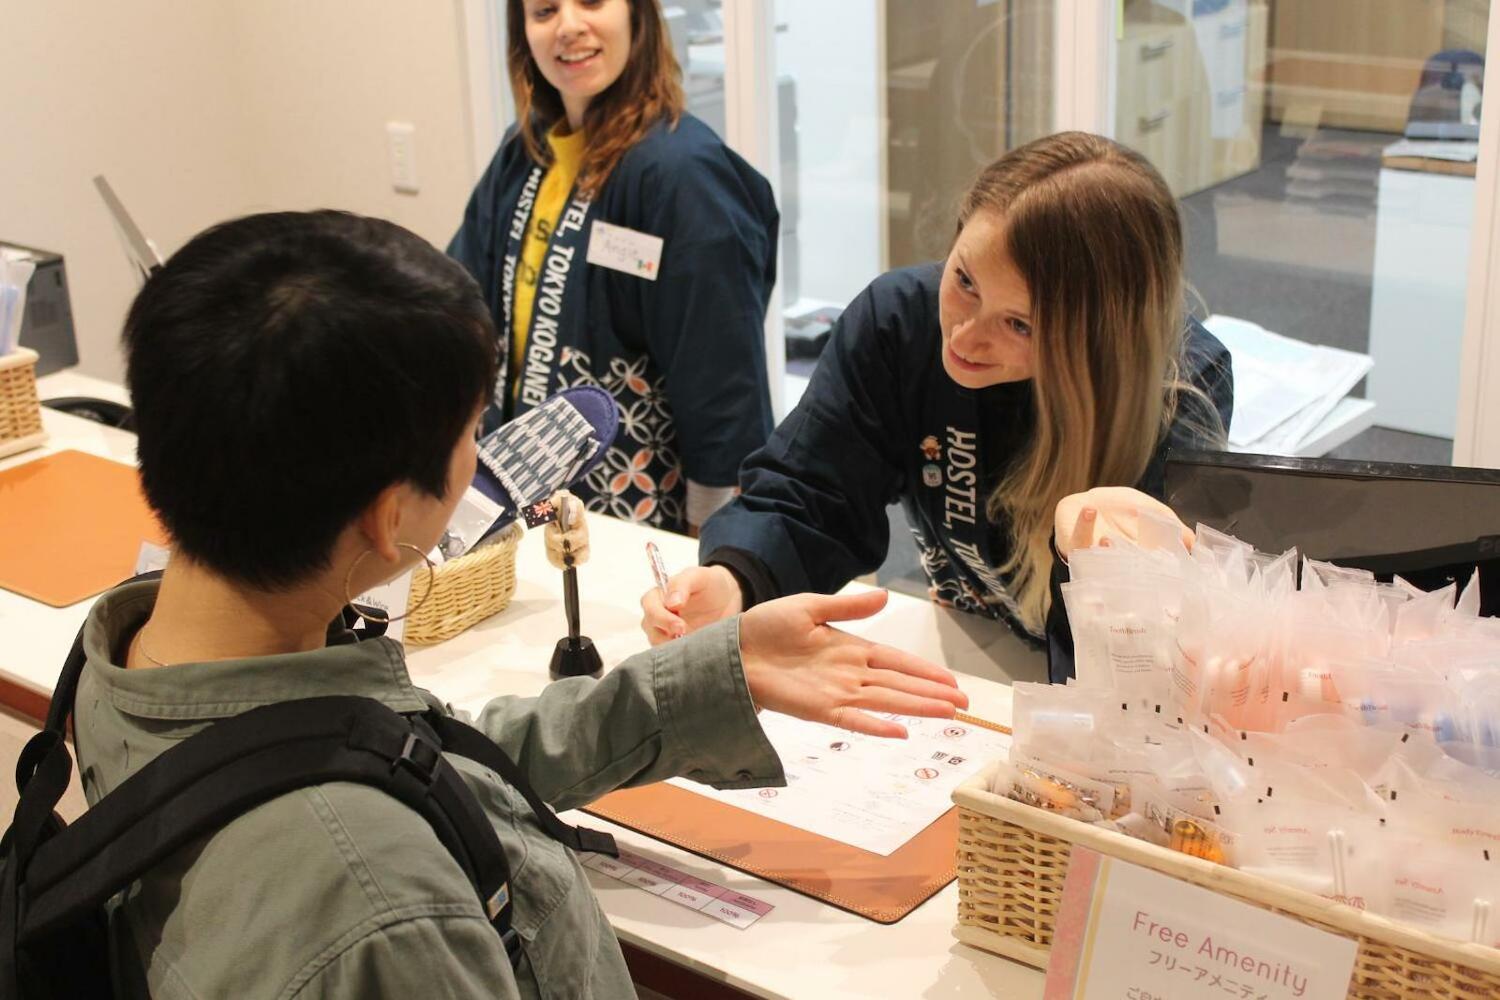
(1190, 92)
(1356, 63)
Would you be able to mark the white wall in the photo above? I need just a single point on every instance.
(135, 91)
(200, 111)
(318, 82)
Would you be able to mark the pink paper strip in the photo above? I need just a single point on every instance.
(1072, 925)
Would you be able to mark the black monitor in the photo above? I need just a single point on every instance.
(1428, 523)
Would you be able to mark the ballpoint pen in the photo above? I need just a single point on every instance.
(658, 569)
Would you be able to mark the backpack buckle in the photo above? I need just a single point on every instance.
(420, 757)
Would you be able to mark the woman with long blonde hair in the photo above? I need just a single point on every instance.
(1017, 399)
(619, 243)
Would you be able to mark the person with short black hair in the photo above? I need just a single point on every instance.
(306, 380)
(307, 388)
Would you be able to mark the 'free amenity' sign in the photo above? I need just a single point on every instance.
(1129, 933)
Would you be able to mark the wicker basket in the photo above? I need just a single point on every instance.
(1013, 860)
(466, 591)
(20, 410)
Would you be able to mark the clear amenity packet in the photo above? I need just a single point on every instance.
(1063, 721)
(1122, 633)
(1318, 848)
(471, 519)
(1054, 789)
(1444, 890)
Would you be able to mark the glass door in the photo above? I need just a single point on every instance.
(1325, 152)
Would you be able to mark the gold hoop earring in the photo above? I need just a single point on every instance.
(410, 608)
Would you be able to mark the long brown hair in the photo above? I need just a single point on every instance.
(1096, 234)
(648, 91)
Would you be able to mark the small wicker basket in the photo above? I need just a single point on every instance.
(466, 591)
(1013, 861)
(20, 410)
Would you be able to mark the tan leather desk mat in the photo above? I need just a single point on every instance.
(884, 889)
(71, 526)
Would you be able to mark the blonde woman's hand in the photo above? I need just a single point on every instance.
(1104, 514)
(698, 596)
(796, 663)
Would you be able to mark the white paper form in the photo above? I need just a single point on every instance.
(868, 792)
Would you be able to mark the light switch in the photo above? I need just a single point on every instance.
(401, 139)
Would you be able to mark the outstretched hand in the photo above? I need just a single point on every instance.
(796, 663)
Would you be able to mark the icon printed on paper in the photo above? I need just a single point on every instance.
(955, 732)
(839, 745)
(926, 773)
(767, 793)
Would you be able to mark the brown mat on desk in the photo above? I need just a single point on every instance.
(73, 524)
(884, 889)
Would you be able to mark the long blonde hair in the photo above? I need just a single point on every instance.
(1096, 234)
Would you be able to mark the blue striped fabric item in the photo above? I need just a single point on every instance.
(545, 449)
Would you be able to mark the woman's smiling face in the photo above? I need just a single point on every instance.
(580, 46)
(984, 308)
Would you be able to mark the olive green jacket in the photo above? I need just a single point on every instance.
(339, 890)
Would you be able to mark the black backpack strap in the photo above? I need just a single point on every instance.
(238, 763)
(54, 876)
(42, 774)
(43, 771)
(466, 741)
(61, 705)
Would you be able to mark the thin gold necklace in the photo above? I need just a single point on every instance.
(140, 644)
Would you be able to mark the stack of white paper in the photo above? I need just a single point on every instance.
(1456, 150)
(1283, 388)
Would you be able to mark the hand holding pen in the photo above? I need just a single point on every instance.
(695, 597)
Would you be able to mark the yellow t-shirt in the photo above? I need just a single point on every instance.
(551, 199)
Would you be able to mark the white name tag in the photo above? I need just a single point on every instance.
(627, 250)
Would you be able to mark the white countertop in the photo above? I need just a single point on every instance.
(803, 948)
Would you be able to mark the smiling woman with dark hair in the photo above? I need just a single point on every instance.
(620, 243)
